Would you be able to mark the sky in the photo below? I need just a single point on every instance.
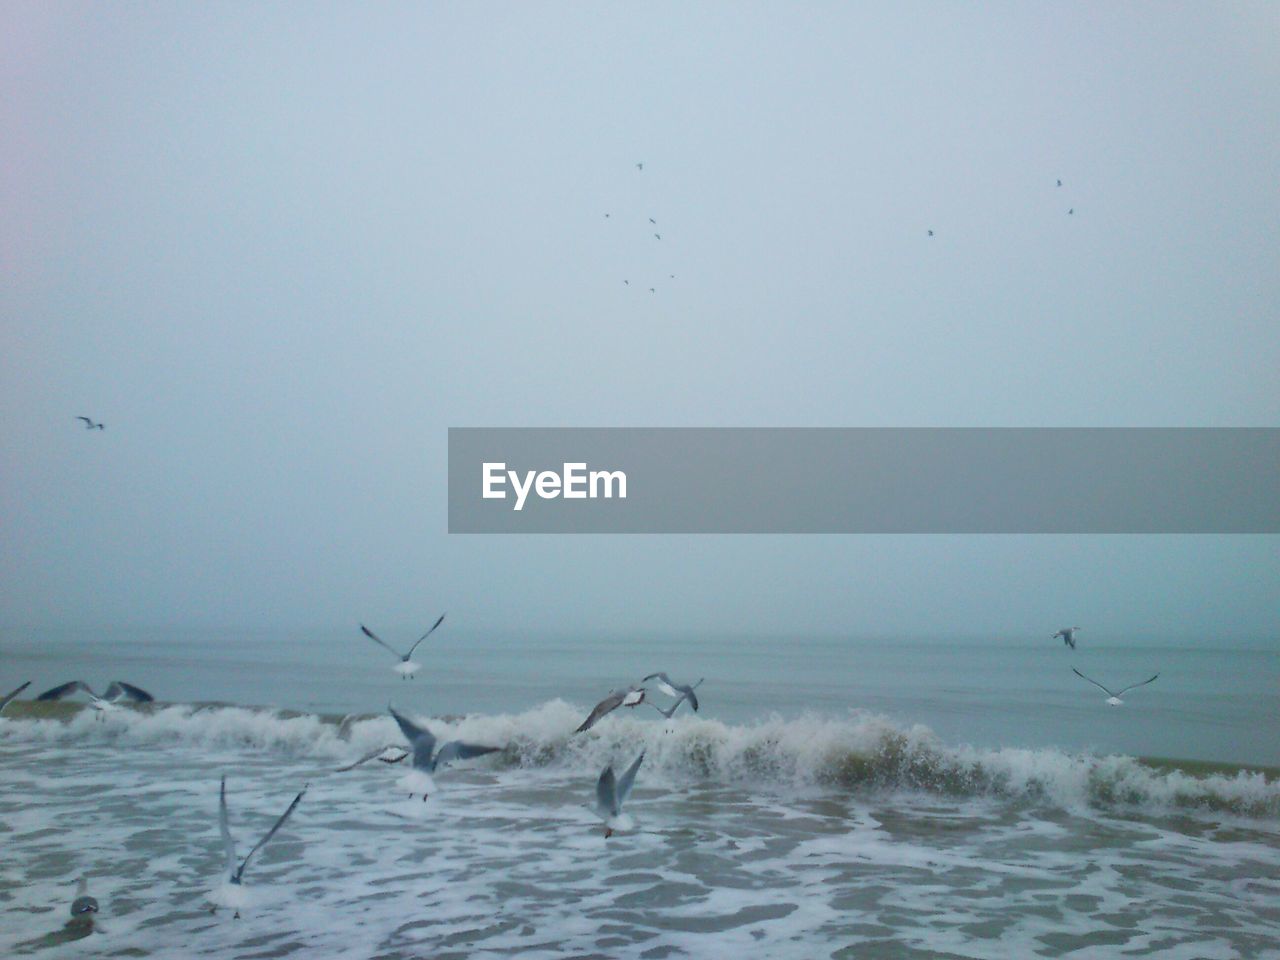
(280, 249)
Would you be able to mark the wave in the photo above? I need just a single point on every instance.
(861, 753)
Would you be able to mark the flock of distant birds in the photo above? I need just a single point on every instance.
(657, 236)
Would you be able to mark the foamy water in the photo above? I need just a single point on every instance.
(786, 837)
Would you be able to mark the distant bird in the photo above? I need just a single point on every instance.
(627, 282)
(1071, 211)
(606, 216)
(1059, 183)
(90, 425)
(406, 667)
(653, 221)
(631, 697)
(611, 795)
(672, 276)
(119, 690)
(426, 758)
(1112, 698)
(1068, 635)
(673, 689)
(639, 166)
(83, 907)
(231, 893)
(931, 233)
(5, 702)
(651, 290)
(658, 235)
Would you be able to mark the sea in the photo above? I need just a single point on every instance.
(841, 796)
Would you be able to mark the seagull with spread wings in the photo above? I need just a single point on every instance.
(406, 667)
(612, 793)
(631, 697)
(426, 758)
(91, 425)
(117, 692)
(1113, 697)
(231, 892)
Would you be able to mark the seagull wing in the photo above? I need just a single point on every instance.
(611, 702)
(270, 833)
(456, 750)
(1097, 684)
(376, 639)
(5, 702)
(607, 793)
(57, 693)
(693, 697)
(87, 422)
(425, 635)
(374, 753)
(119, 690)
(628, 778)
(1135, 685)
(228, 845)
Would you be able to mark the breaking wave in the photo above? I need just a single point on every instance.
(860, 753)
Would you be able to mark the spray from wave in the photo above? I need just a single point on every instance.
(861, 753)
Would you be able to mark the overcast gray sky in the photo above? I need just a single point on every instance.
(280, 248)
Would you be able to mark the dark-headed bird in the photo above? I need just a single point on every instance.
(406, 667)
(231, 892)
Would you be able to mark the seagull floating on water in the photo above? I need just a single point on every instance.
(611, 794)
(83, 907)
(680, 691)
(231, 892)
(119, 690)
(90, 425)
(406, 667)
(426, 758)
(1068, 635)
(5, 702)
(1113, 698)
(631, 697)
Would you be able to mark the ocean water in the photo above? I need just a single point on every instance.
(832, 798)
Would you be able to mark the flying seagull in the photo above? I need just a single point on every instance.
(119, 690)
(653, 221)
(426, 758)
(673, 689)
(5, 702)
(612, 794)
(931, 233)
(1071, 211)
(1113, 698)
(651, 290)
(90, 425)
(406, 667)
(658, 235)
(83, 907)
(1068, 635)
(231, 893)
(639, 166)
(1059, 183)
(631, 697)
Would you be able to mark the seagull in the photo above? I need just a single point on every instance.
(653, 221)
(627, 282)
(639, 166)
(606, 216)
(1068, 635)
(658, 235)
(631, 697)
(1113, 698)
(231, 893)
(1059, 183)
(426, 758)
(611, 795)
(83, 907)
(651, 290)
(931, 233)
(673, 689)
(5, 702)
(1071, 211)
(119, 690)
(406, 667)
(90, 425)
